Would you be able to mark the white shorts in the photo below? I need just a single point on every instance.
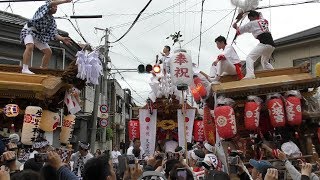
(29, 39)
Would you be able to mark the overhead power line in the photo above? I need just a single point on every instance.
(200, 32)
(134, 22)
(209, 28)
(149, 16)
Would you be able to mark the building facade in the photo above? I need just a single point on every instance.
(297, 48)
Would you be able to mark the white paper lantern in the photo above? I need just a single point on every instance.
(49, 121)
(246, 5)
(181, 68)
(31, 123)
(67, 129)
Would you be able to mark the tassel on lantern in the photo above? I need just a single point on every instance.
(67, 129)
(30, 126)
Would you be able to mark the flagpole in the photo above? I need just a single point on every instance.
(184, 125)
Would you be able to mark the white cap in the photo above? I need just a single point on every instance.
(209, 147)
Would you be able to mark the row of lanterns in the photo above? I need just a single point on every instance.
(279, 111)
(35, 119)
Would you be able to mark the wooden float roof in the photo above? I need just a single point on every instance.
(18, 85)
(271, 81)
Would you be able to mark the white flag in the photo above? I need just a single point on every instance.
(189, 118)
(148, 128)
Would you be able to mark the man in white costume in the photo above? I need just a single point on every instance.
(259, 27)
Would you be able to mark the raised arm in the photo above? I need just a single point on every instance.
(57, 2)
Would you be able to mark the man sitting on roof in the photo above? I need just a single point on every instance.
(39, 31)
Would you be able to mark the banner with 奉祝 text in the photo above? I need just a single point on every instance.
(148, 129)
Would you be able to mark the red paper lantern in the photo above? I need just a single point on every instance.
(198, 131)
(293, 111)
(200, 87)
(134, 129)
(276, 112)
(252, 115)
(225, 120)
(196, 95)
(209, 126)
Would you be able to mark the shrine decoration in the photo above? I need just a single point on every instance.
(198, 131)
(89, 66)
(276, 110)
(134, 129)
(67, 129)
(252, 112)
(49, 121)
(31, 123)
(209, 126)
(167, 124)
(293, 108)
(195, 94)
(11, 110)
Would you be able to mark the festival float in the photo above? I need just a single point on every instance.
(35, 104)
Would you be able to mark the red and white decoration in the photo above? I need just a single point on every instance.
(134, 129)
(189, 119)
(148, 128)
(209, 126)
(31, 123)
(198, 131)
(11, 110)
(200, 87)
(293, 110)
(252, 113)
(225, 120)
(181, 68)
(276, 112)
(67, 129)
(71, 99)
(49, 121)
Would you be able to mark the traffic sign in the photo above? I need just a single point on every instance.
(103, 123)
(103, 108)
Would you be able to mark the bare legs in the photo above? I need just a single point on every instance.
(27, 56)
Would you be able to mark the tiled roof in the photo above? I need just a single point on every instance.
(300, 36)
(12, 18)
(17, 19)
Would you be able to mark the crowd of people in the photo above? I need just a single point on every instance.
(199, 161)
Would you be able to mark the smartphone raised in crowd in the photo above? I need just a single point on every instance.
(182, 174)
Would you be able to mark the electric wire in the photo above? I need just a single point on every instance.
(133, 23)
(209, 28)
(122, 78)
(149, 16)
(194, 11)
(200, 40)
(135, 57)
(234, 14)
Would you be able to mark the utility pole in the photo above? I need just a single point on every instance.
(105, 80)
(103, 83)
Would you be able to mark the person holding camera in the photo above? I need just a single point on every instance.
(294, 173)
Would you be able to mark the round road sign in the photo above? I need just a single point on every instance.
(103, 108)
(103, 123)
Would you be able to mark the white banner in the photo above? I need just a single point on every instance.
(190, 114)
(148, 129)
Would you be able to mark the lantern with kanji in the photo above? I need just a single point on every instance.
(201, 89)
(276, 111)
(225, 120)
(293, 110)
(134, 129)
(49, 121)
(209, 126)
(11, 110)
(198, 131)
(31, 123)
(252, 113)
(181, 69)
(67, 129)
